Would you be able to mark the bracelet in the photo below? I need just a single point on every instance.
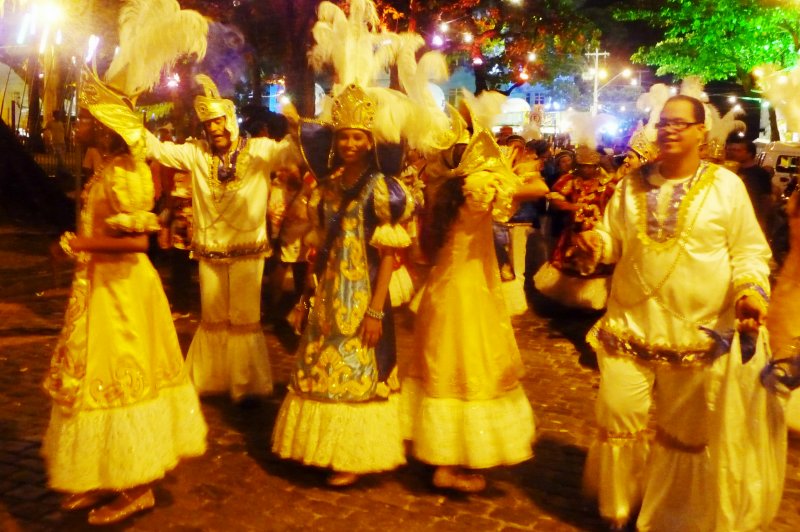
(64, 243)
(378, 315)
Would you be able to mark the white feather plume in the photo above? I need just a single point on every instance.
(693, 86)
(483, 108)
(652, 102)
(782, 89)
(349, 44)
(153, 34)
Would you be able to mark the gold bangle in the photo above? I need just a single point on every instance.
(371, 313)
(65, 242)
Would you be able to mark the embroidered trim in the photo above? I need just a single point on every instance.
(235, 251)
(621, 438)
(705, 176)
(620, 345)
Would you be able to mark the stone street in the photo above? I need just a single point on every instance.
(238, 485)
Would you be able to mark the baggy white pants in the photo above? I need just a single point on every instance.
(229, 352)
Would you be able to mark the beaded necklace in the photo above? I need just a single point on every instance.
(222, 171)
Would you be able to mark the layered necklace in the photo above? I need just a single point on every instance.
(222, 171)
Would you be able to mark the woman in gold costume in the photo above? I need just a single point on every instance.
(124, 411)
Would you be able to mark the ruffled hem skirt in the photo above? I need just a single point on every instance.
(226, 360)
(572, 291)
(473, 434)
(123, 447)
(349, 437)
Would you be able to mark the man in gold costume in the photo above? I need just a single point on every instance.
(230, 187)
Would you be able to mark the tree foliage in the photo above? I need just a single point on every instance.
(497, 37)
(717, 39)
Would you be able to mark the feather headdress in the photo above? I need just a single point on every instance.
(153, 34)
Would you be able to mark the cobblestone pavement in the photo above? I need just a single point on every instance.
(238, 485)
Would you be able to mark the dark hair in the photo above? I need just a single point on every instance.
(439, 214)
(699, 110)
(734, 138)
(539, 146)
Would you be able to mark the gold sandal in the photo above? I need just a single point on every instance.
(122, 507)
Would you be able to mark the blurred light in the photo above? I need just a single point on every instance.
(622, 108)
(116, 51)
(437, 40)
(704, 96)
(174, 81)
(673, 91)
(603, 74)
(59, 38)
(468, 38)
(782, 80)
(285, 100)
(592, 72)
(43, 41)
(531, 56)
(556, 106)
(764, 103)
(731, 99)
(524, 76)
(94, 41)
(737, 108)
(740, 134)
(443, 27)
(758, 72)
(477, 61)
(634, 82)
(23, 29)
(626, 73)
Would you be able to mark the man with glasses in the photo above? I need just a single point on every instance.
(689, 253)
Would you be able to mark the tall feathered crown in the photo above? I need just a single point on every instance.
(353, 108)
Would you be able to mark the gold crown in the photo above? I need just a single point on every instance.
(642, 146)
(715, 150)
(353, 108)
(111, 108)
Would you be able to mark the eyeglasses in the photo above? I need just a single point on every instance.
(675, 125)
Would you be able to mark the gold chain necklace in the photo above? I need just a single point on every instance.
(215, 162)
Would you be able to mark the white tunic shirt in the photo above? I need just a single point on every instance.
(229, 217)
(685, 251)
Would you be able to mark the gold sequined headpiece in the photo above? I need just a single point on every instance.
(110, 108)
(211, 105)
(353, 108)
(642, 146)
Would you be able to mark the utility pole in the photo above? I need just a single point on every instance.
(597, 54)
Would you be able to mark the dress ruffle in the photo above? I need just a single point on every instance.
(477, 434)
(614, 474)
(119, 448)
(572, 291)
(514, 295)
(134, 222)
(227, 359)
(390, 236)
(352, 437)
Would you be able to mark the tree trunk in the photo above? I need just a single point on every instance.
(299, 77)
(480, 79)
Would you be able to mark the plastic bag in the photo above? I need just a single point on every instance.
(748, 440)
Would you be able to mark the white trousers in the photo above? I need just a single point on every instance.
(670, 474)
(229, 352)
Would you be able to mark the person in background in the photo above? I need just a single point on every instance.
(757, 180)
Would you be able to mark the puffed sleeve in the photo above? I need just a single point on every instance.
(393, 205)
(491, 191)
(129, 186)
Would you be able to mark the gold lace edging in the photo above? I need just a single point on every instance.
(236, 251)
